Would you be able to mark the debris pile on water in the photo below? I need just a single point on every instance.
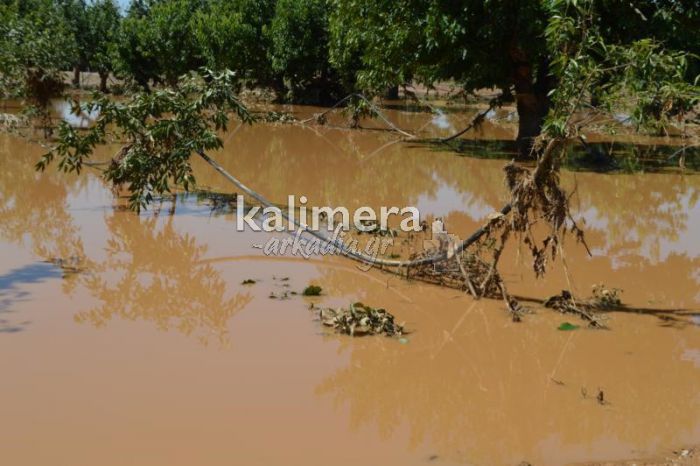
(603, 299)
(278, 117)
(606, 298)
(359, 319)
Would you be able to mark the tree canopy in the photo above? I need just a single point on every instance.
(525, 47)
(641, 57)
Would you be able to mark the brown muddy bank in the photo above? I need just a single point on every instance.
(152, 352)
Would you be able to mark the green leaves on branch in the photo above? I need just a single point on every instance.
(299, 48)
(159, 132)
(639, 81)
(162, 40)
(35, 46)
(158, 43)
(103, 21)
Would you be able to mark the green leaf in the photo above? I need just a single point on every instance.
(566, 326)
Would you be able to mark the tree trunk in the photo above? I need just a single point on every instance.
(532, 108)
(103, 82)
(392, 93)
(531, 97)
(76, 76)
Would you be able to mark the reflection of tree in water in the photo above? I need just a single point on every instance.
(466, 389)
(153, 273)
(337, 168)
(150, 271)
(34, 206)
(333, 168)
(481, 395)
(638, 211)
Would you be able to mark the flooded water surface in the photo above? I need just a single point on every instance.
(129, 339)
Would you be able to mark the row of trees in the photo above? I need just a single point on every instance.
(50, 36)
(320, 50)
(277, 44)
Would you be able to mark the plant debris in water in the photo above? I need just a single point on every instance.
(248, 281)
(278, 117)
(603, 299)
(606, 298)
(567, 304)
(69, 266)
(360, 319)
(312, 290)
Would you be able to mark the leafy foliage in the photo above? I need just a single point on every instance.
(74, 13)
(640, 78)
(103, 30)
(161, 131)
(541, 49)
(157, 43)
(35, 45)
(468, 41)
(230, 35)
(299, 48)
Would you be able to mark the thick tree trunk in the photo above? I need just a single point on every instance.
(103, 82)
(532, 108)
(392, 93)
(76, 76)
(531, 99)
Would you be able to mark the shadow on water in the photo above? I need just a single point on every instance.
(593, 157)
(11, 293)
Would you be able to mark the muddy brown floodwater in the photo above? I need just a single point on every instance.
(129, 339)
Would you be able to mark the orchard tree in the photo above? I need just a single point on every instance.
(75, 14)
(377, 43)
(230, 34)
(103, 31)
(36, 46)
(299, 50)
(156, 41)
(132, 59)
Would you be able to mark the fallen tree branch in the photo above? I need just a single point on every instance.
(365, 258)
(373, 107)
(477, 120)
